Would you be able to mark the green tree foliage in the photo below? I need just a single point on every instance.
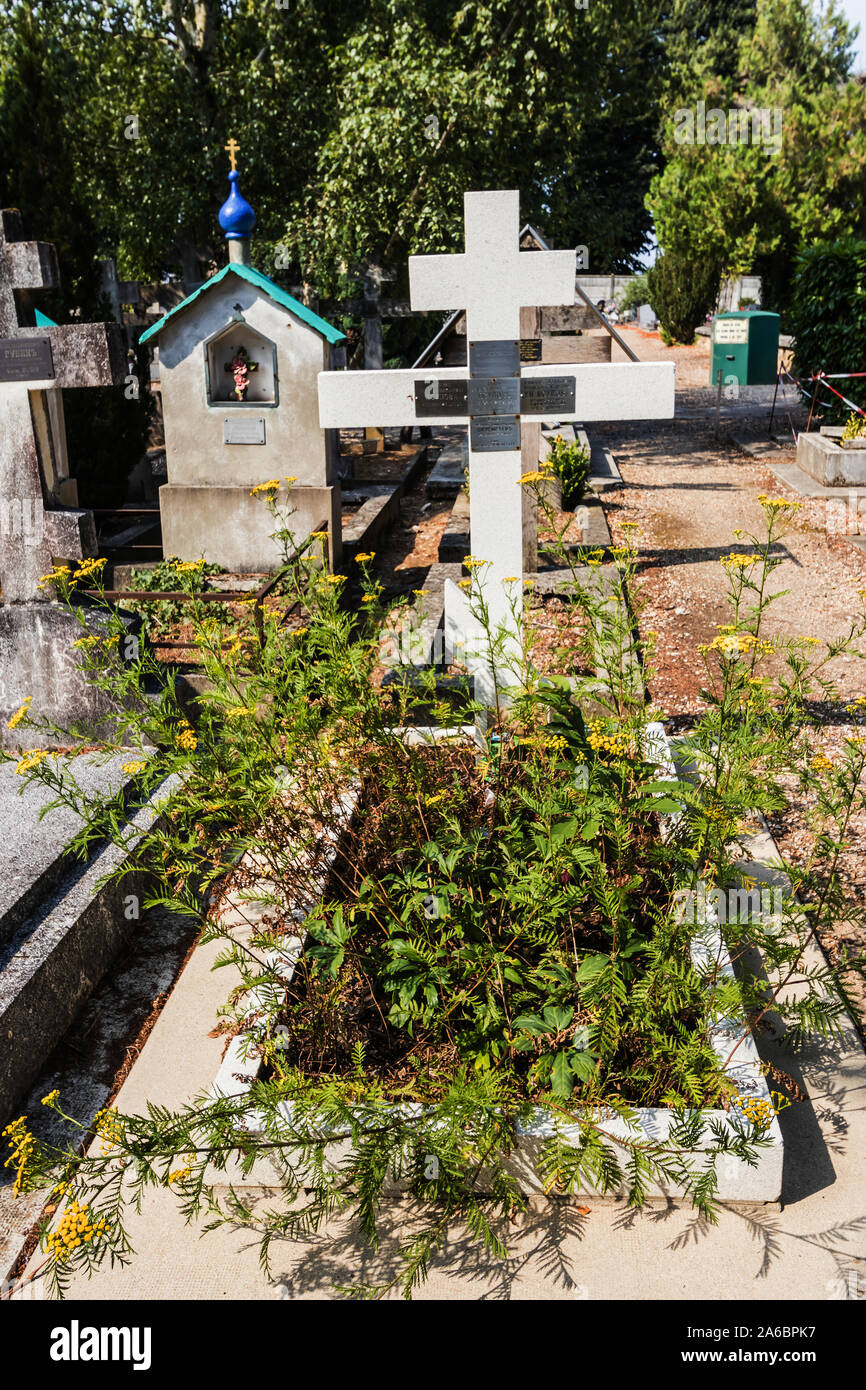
(432, 99)
(752, 205)
(38, 173)
(360, 126)
(827, 315)
(705, 35)
(682, 293)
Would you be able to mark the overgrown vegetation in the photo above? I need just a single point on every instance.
(827, 317)
(172, 576)
(432, 932)
(569, 462)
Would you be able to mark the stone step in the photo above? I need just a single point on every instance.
(603, 472)
(395, 466)
(61, 947)
(454, 545)
(373, 517)
(594, 535)
(449, 471)
(807, 486)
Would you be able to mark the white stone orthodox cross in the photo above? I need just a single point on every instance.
(492, 280)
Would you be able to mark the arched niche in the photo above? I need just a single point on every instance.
(239, 339)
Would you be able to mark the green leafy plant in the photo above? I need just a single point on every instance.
(570, 464)
(434, 936)
(634, 295)
(827, 316)
(171, 575)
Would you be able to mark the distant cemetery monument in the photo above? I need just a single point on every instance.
(40, 522)
(239, 361)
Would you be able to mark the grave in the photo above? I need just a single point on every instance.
(40, 524)
(829, 461)
(238, 362)
(492, 281)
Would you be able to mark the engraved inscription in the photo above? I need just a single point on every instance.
(437, 397)
(489, 434)
(26, 359)
(547, 395)
(494, 396)
(731, 331)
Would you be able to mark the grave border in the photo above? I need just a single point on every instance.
(738, 1181)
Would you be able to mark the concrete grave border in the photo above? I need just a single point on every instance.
(738, 1181)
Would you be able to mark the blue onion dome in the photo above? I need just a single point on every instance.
(236, 217)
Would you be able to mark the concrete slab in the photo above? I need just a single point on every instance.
(34, 855)
(373, 517)
(807, 486)
(69, 927)
(37, 658)
(825, 460)
(604, 474)
(455, 543)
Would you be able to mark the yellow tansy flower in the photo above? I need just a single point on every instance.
(20, 714)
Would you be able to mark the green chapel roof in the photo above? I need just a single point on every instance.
(255, 277)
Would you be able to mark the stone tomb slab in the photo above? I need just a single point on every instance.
(65, 925)
(34, 854)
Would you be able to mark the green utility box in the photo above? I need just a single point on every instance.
(745, 347)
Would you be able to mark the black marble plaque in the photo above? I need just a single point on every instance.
(499, 357)
(243, 429)
(530, 349)
(436, 396)
(492, 434)
(494, 395)
(547, 395)
(26, 359)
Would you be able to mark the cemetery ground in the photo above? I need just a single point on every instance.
(687, 491)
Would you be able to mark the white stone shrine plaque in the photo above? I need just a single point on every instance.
(243, 429)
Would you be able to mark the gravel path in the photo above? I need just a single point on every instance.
(688, 491)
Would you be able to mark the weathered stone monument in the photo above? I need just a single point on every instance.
(239, 360)
(492, 281)
(40, 524)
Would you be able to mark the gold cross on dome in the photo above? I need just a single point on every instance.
(232, 148)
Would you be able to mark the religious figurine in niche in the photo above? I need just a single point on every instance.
(240, 368)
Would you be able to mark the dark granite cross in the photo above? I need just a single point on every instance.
(36, 528)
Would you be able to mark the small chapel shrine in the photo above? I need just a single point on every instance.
(239, 361)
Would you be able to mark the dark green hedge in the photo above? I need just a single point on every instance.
(827, 316)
